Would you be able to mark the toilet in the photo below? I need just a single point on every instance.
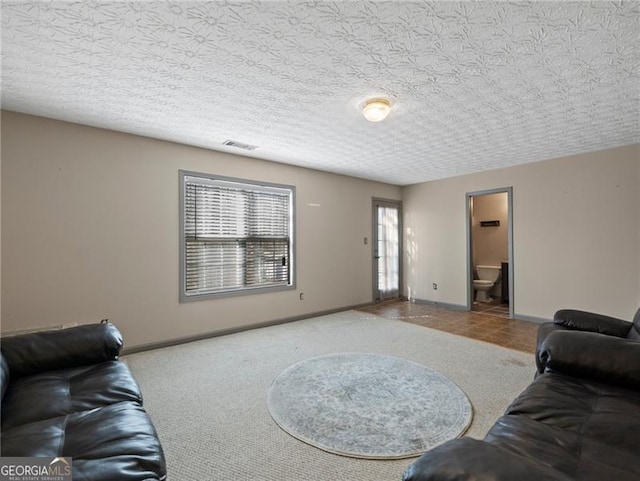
(487, 277)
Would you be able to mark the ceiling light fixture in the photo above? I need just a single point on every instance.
(376, 110)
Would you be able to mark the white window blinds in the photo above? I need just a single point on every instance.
(237, 235)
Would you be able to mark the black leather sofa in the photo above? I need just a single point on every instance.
(578, 420)
(65, 394)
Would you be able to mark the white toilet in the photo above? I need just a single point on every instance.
(488, 275)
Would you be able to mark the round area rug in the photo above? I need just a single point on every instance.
(368, 405)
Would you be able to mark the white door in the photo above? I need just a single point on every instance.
(386, 255)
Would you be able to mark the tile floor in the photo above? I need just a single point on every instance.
(494, 308)
(488, 323)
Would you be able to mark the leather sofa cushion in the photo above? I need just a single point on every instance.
(578, 457)
(590, 321)
(589, 407)
(58, 393)
(593, 356)
(524, 436)
(544, 330)
(575, 426)
(121, 433)
(634, 333)
(468, 459)
(4, 376)
(49, 350)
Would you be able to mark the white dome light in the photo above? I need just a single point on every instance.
(376, 110)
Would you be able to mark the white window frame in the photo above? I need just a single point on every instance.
(254, 186)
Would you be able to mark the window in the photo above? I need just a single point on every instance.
(236, 236)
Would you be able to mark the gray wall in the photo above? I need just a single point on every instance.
(490, 244)
(90, 231)
(576, 234)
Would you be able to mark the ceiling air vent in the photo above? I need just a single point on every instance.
(239, 145)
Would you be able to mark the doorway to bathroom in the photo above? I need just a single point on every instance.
(490, 251)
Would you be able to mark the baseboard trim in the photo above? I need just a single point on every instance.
(534, 319)
(456, 307)
(460, 307)
(224, 332)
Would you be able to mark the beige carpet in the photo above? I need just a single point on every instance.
(208, 398)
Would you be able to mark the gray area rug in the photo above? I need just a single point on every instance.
(207, 399)
(368, 405)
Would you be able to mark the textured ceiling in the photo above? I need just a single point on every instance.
(474, 86)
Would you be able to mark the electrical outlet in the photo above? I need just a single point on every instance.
(302, 296)
(435, 286)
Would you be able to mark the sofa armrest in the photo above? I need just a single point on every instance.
(591, 355)
(4, 376)
(468, 459)
(76, 346)
(544, 330)
(590, 321)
